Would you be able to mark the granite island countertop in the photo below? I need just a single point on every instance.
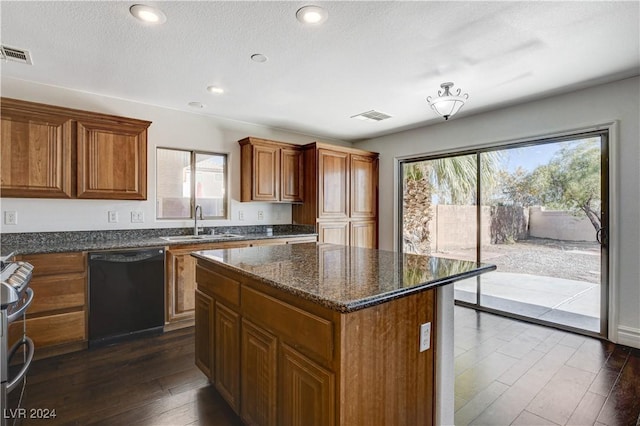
(61, 242)
(342, 278)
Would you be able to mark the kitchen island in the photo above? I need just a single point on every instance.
(321, 334)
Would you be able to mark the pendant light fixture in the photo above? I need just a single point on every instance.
(447, 104)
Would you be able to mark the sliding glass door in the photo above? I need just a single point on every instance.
(537, 210)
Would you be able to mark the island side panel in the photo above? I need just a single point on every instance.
(384, 378)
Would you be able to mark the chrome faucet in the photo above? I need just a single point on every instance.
(195, 219)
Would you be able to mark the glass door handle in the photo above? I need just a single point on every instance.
(601, 236)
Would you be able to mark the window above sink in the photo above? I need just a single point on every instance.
(186, 178)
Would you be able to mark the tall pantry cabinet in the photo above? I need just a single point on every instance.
(341, 195)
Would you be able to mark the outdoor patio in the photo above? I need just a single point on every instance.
(552, 280)
(568, 302)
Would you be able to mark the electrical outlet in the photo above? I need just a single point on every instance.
(10, 218)
(137, 217)
(113, 217)
(260, 215)
(425, 336)
(240, 214)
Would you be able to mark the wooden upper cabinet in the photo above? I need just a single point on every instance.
(341, 188)
(291, 175)
(266, 179)
(36, 152)
(364, 186)
(56, 152)
(112, 159)
(333, 181)
(270, 171)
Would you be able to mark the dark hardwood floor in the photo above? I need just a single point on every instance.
(507, 372)
(149, 381)
(513, 373)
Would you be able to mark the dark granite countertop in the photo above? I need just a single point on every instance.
(343, 278)
(60, 242)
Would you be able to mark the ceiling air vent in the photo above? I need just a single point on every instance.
(16, 55)
(372, 115)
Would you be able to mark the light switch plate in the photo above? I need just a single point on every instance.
(137, 216)
(425, 336)
(10, 217)
(113, 217)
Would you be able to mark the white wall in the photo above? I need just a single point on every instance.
(615, 102)
(560, 225)
(169, 128)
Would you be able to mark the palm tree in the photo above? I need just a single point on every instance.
(450, 180)
(416, 211)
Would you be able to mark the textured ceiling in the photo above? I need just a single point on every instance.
(387, 56)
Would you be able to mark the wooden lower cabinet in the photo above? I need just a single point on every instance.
(204, 318)
(258, 379)
(363, 233)
(294, 362)
(181, 279)
(307, 391)
(357, 233)
(227, 354)
(53, 330)
(56, 321)
(334, 232)
(181, 282)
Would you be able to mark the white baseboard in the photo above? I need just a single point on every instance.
(629, 336)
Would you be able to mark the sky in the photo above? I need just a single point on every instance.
(530, 157)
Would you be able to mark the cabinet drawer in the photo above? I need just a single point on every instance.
(52, 329)
(301, 329)
(57, 292)
(219, 286)
(57, 263)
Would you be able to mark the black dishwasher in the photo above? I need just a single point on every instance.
(126, 295)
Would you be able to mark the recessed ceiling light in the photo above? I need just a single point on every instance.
(216, 90)
(258, 57)
(312, 15)
(148, 14)
(197, 105)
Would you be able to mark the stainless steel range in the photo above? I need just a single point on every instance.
(15, 298)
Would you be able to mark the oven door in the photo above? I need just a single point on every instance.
(29, 348)
(14, 369)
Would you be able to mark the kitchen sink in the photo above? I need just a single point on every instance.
(184, 237)
(200, 237)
